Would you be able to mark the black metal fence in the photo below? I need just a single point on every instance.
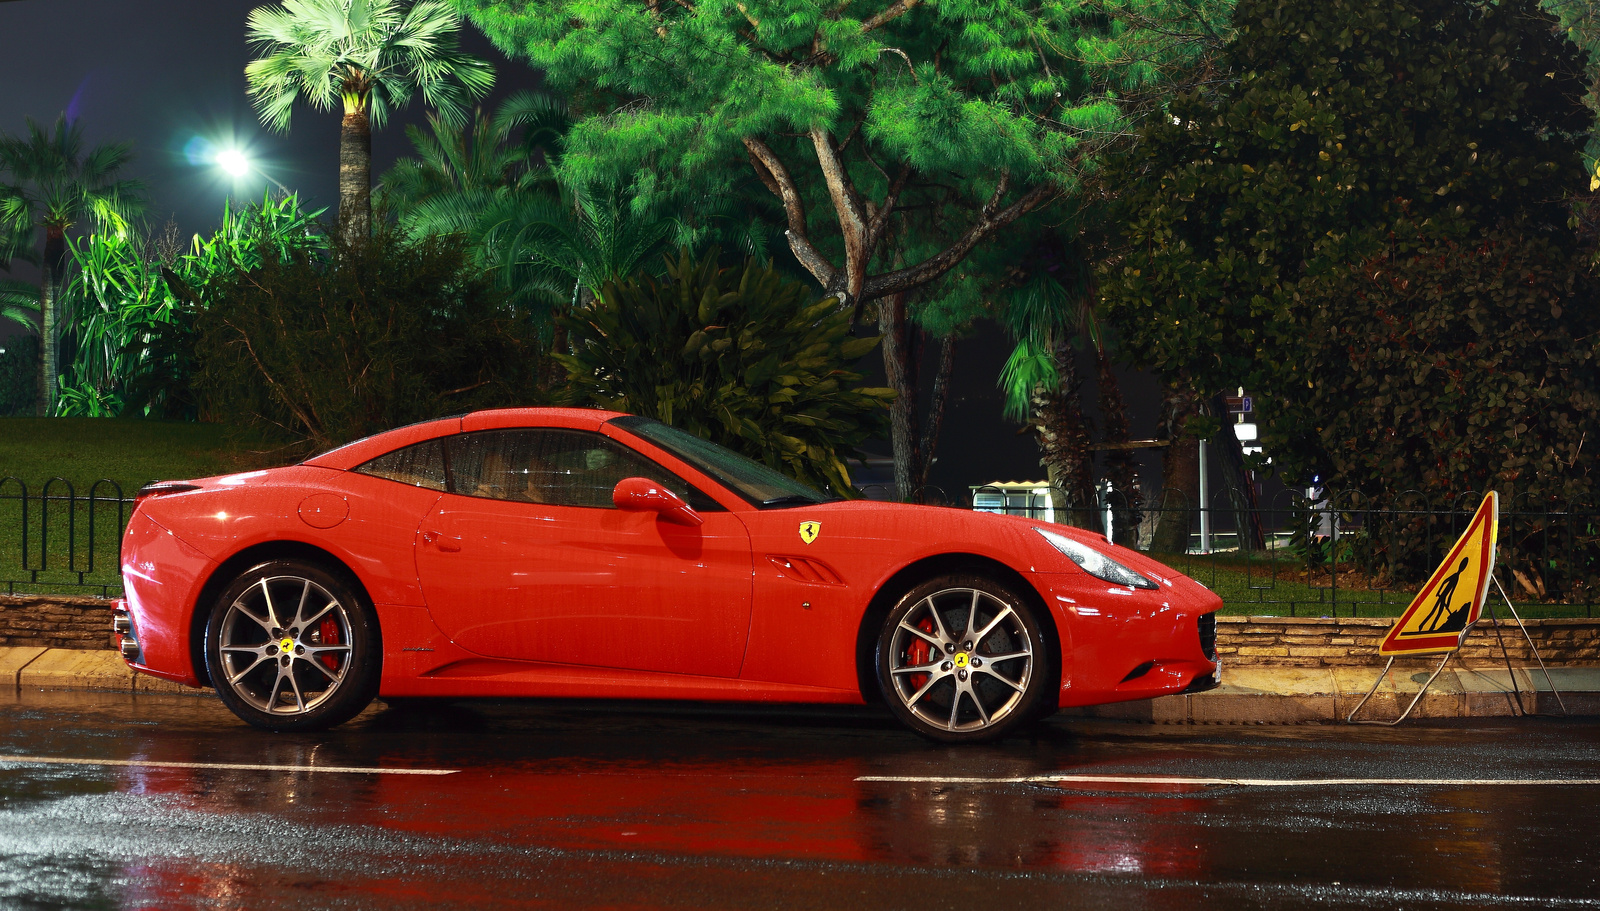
(1322, 553)
(57, 538)
(1312, 553)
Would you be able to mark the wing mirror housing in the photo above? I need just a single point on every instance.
(645, 495)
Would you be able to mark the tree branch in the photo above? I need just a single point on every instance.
(990, 220)
(770, 169)
(880, 217)
(847, 208)
(892, 12)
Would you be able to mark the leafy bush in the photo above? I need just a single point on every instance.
(132, 307)
(1407, 135)
(1454, 367)
(318, 349)
(19, 375)
(742, 357)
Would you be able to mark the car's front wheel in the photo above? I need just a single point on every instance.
(293, 647)
(962, 658)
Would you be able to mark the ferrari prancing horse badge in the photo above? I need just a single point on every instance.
(809, 530)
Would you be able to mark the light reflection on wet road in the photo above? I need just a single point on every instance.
(571, 804)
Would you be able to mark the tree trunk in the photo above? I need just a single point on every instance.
(1180, 470)
(1121, 465)
(1063, 440)
(55, 261)
(355, 174)
(1241, 490)
(900, 371)
(941, 401)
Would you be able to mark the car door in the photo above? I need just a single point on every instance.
(527, 558)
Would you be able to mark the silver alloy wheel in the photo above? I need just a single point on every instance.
(285, 645)
(961, 660)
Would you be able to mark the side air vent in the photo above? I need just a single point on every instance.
(1208, 636)
(157, 488)
(804, 569)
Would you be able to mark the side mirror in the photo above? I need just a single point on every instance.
(645, 495)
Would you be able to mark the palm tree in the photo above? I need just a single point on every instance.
(55, 186)
(370, 56)
(550, 249)
(468, 179)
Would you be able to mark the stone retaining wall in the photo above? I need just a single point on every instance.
(55, 621)
(1351, 642)
(61, 621)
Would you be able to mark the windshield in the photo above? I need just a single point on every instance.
(748, 478)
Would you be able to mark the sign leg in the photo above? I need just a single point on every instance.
(1532, 647)
(1420, 693)
(1511, 675)
(1350, 719)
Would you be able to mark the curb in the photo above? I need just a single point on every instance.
(103, 670)
(1248, 695)
(1291, 695)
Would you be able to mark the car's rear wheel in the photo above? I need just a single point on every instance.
(962, 658)
(293, 647)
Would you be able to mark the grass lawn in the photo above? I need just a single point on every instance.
(83, 451)
(129, 452)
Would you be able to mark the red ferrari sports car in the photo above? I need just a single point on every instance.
(582, 553)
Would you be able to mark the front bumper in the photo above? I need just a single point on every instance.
(1121, 644)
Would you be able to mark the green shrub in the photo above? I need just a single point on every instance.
(742, 357)
(316, 349)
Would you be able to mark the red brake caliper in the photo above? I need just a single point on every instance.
(329, 633)
(919, 653)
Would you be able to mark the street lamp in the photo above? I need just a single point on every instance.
(238, 165)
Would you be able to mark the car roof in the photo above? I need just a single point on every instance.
(361, 451)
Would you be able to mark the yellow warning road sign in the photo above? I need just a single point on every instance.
(1450, 603)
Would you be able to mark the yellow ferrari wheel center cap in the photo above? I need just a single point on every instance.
(286, 644)
(961, 659)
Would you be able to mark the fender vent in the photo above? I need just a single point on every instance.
(804, 569)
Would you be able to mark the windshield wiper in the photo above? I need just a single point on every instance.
(791, 499)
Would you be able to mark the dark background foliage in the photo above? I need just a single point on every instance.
(315, 350)
(1433, 142)
(19, 375)
(740, 356)
(1449, 367)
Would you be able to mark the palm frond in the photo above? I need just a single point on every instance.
(19, 302)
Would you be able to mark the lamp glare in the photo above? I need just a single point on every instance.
(234, 162)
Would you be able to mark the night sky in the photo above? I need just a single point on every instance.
(168, 75)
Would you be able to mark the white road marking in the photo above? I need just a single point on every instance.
(248, 767)
(1239, 782)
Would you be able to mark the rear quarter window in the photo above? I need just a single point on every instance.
(420, 465)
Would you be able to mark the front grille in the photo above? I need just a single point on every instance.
(1208, 636)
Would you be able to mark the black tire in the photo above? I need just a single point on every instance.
(293, 647)
(944, 685)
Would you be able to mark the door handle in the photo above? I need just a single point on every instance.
(446, 543)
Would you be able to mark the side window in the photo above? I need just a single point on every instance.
(558, 467)
(421, 465)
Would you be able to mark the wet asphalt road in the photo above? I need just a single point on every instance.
(630, 805)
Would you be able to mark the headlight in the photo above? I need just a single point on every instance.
(1094, 562)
